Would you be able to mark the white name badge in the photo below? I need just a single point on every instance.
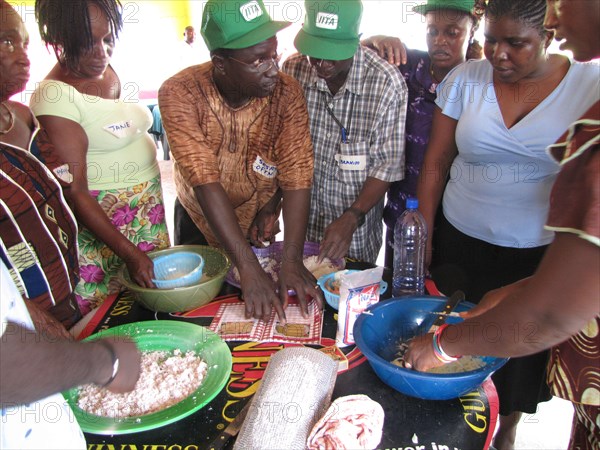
(63, 173)
(351, 162)
(264, 169)
(121, 129)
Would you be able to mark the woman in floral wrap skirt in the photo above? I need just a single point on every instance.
(102, 134)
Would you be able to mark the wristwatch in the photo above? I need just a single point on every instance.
(360, 216)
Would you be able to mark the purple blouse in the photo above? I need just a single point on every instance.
(419, 117)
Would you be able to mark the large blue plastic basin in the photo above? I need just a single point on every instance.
(378, 331)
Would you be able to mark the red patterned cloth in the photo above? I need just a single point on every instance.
(574, 370)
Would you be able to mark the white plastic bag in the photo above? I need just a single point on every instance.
(358, 290)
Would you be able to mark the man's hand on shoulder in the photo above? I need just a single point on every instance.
(387, 47)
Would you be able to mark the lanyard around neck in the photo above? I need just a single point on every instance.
(343, 130)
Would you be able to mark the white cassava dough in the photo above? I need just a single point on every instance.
(165, 380)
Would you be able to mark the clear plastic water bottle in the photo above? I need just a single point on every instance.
(410, 239)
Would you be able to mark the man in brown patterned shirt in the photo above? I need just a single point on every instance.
(239, 136)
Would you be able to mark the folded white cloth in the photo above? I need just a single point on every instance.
(351, 422)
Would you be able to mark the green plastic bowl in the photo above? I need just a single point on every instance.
(162, 335)
(216, 266)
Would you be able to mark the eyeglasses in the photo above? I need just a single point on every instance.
(261, 65)
(315, 62)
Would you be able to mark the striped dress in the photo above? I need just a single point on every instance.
(38, 232)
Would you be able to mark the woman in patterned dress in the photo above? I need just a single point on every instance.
(116, 192)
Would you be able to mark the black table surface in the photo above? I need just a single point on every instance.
(467, 422)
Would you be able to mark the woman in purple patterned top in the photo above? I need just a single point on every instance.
(450, 29)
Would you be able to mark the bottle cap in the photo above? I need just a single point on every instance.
(412, 203)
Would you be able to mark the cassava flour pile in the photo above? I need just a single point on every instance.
(164, 381)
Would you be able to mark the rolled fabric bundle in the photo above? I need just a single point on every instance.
(295, 392)
(351, 422)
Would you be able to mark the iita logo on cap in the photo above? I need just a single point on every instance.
(251, 11)
(327, 20)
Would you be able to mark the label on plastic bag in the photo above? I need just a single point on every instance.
(358, 291)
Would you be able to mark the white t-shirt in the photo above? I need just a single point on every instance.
(45, 424)
(500, 181)
(191, 54)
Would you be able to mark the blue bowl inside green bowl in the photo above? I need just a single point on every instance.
(163, 335)
(179, 269)
(181, 299)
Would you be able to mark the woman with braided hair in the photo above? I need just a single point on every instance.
(493, 121)
(116, 191)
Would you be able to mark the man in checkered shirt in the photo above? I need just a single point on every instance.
(357, 109)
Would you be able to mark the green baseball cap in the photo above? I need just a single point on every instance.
(455, 5)
(237, 24)
(330, 29)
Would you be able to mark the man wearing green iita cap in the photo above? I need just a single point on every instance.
(235, 25)
(239, 136)
(357, 109)
(449, 5)
(328, 33)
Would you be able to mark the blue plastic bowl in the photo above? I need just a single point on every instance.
(378, 332)
(177, 270)
(333, 299)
